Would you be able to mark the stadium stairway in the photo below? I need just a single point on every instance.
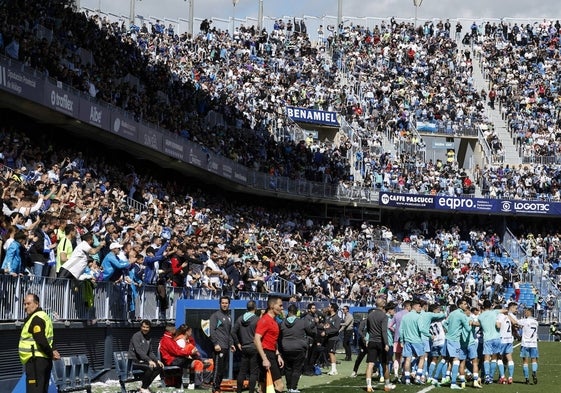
(511, 155)
(405, 251)
(527, 296)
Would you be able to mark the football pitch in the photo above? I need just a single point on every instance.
(549, 378)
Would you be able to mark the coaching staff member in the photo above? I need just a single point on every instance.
(36, 346)
(222, 340)
(143, 358)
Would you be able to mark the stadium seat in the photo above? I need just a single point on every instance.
(71, 373)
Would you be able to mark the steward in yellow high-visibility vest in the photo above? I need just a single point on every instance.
(36, 350)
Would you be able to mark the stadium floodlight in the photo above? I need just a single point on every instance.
(234, 3)
(132, 13)
(417, 4)
(260, 16)
(191, 21)
(339, 14)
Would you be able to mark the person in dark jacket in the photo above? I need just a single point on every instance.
(313, 320)
(243, 335)
(222, 341)
(378, 344)
(294, 333)
(332, 327)
(347, 326)
(362, 341)
(142, 356)
(37, 254)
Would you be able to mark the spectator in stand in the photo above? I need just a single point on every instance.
(12, 263)
(78, 259)
(65, 247)
(114, 266)
(152, 262)
(37, 253)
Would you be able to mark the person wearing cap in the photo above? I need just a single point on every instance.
(112, 265)
(78, 260)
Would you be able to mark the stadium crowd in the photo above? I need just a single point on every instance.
(60, 203)
(521, 62)
(234, 76)
(231, 91)
(249, 78)
(67, 212)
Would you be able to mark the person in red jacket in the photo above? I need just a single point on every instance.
(201, 368)
(173, 355)
(179, 267)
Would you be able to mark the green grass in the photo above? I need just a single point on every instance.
(549, 377)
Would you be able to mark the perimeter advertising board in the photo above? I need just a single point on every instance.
(94, 114)
(20, 83)
(467, 204)
(56, 97)
(125, 127)
(312, 116)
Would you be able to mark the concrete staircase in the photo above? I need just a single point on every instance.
(511, 156)
(423, 261)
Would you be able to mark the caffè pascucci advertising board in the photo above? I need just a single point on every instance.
(470, 205)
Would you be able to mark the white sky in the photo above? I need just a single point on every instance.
(465, 10)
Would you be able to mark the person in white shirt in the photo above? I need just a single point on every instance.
(215, 274)
(529, 344)
(507, 323)
(78, 260)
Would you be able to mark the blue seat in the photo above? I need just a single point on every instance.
(126, 373)
(124, 369)
(72, 373)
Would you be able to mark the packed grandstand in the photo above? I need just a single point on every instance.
(389, 84)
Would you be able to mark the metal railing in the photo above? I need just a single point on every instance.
(488, 155)
(136, 205)
(536, 276)
(71, 300)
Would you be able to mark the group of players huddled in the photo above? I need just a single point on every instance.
(431, 346)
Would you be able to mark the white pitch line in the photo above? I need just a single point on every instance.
(427, 389)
